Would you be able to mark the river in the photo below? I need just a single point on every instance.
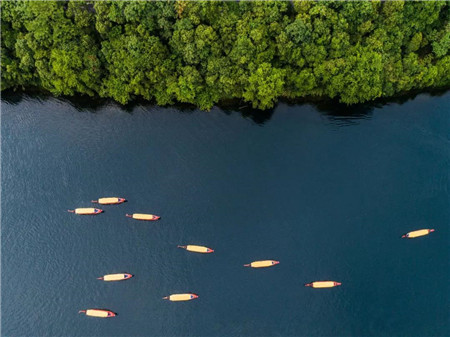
(326, 190)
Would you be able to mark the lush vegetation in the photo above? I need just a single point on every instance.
(206, 52)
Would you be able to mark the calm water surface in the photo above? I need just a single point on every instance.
(326, 191)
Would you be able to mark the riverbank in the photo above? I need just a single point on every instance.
(325, 105)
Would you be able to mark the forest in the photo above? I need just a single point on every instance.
(205, 53)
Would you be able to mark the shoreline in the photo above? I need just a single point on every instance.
(323, 103)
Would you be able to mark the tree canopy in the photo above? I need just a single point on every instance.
(206, 52)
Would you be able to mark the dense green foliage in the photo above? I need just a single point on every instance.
(205, 52)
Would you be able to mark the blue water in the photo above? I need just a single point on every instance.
(327, 191)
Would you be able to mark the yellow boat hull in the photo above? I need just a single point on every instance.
(145, 217)
(262, 264)
(197, 249)
(323, 284)
(110, 201)
(86, 211)
(100, 313)
(418, 233)
(181, 297)
(115, 277)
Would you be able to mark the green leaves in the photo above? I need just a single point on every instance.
(442, 44)
(299, 31)
(264, 86)
(202, 53)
